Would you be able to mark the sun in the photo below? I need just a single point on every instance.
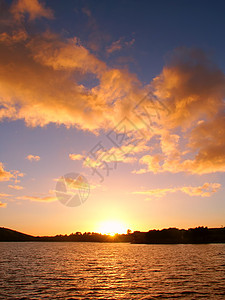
(112, 227)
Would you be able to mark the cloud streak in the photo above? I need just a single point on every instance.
(16, 187)
(206, 190)
(45, 199)
(119, 45)
(4, 195)
(73, 156)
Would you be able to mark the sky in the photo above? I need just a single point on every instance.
(122, 98)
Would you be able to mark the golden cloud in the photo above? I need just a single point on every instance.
(102, 157)
(4, 175)
(4, 195)
(208, 140)
(16, 187)
(206, 190)
(192, 134)
(31, 157)
(191, 86)
(76, 156)
(3, 204)
(205, 146)
(116, 46)
(119, 44)
(33, 8)
(152, 163)
(38, 199)
(42, 79)
(43, 85)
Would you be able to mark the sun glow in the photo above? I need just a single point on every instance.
(112, 227)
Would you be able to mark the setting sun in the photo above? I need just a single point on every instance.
(112, 227)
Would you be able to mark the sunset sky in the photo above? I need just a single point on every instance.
(130, 94)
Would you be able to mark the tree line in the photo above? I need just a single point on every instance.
(198, 235)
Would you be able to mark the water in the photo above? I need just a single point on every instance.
(111, 271)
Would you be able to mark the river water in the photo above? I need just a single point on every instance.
(39, 270)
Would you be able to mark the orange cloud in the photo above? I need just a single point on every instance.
(76, 156)
(206, 190)
(192, 135)
(16, 187)
(152, 162)
(17, 174)
(125, 154)
(119, 44)
(4, 195)
(43, 87)
(41, 82)
(115, 46)
(44, 84)
(33, 157)
(4, 175)
(156, 192)
(38, 199)
(33, 8)
(208, 139)
(3, 204)
(191, 86)
(203, 150)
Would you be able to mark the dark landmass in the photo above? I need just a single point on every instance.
(8, 235)
(198, 235)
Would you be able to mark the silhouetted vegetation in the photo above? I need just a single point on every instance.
(87, 237)
(197, 235)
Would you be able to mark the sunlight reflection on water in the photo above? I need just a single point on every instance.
(111, 271)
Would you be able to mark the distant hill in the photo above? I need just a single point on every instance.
(8, 235)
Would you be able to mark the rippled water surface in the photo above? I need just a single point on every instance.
(111, 271)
